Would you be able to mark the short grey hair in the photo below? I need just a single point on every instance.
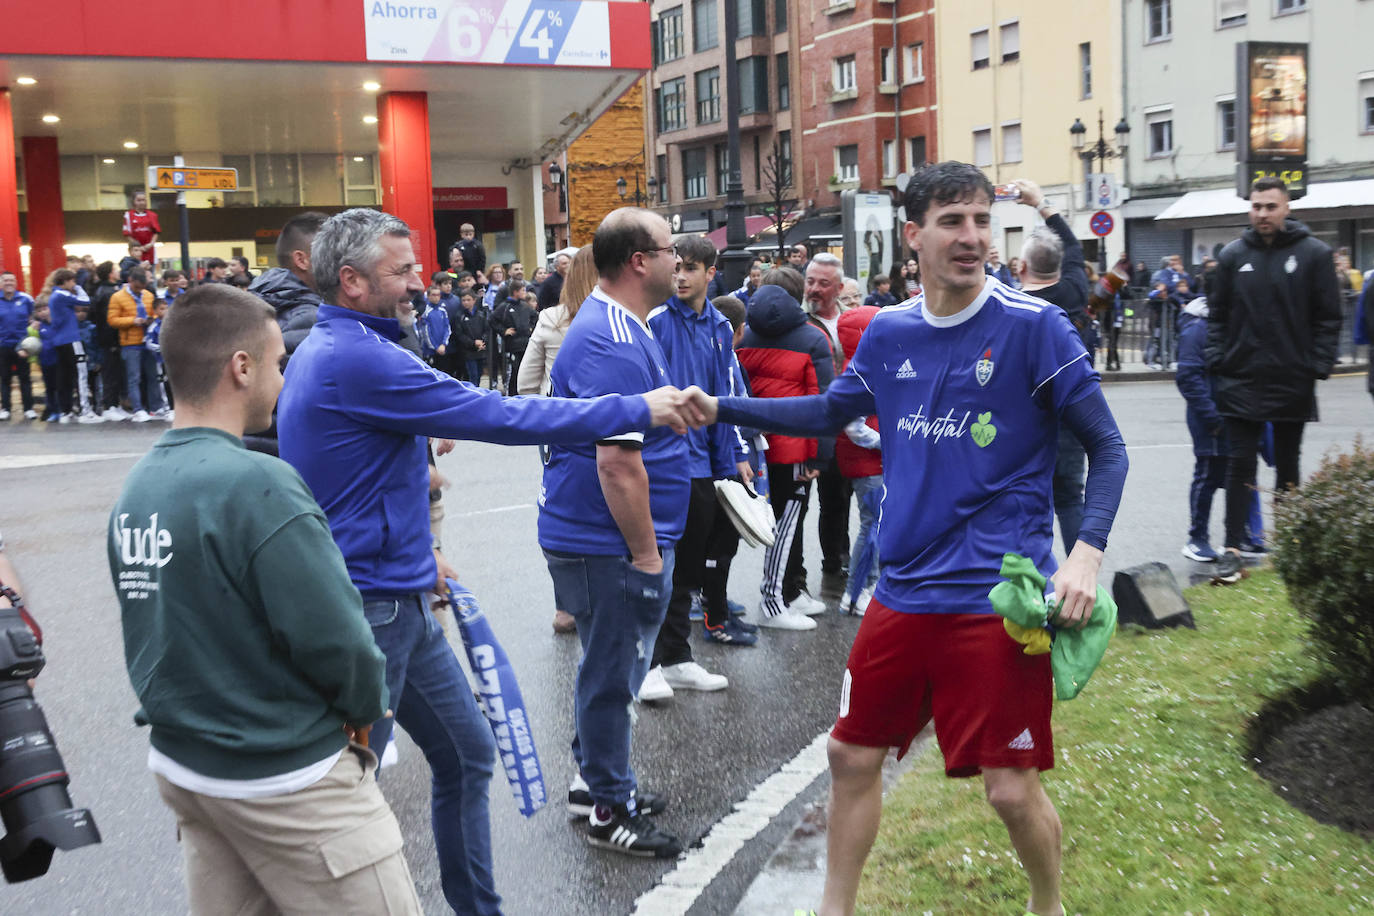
(1043, 252)
(352, 238)
(826, 259)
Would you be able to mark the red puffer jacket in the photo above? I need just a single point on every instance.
(853, 460)
(786, 357)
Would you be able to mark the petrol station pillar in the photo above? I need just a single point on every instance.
(407, 181)
(9, 193)
(43, 193)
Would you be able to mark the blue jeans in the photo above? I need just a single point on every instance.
(474, 370)
(868, 520)
(618, 611)
(433, 703)
(141, 363)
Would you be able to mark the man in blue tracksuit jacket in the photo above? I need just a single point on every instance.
(353, 420)
(698, 343)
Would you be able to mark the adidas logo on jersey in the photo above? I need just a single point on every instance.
(1246, 267)
(904, 371)
(1023, 741)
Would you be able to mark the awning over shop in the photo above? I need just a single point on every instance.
(753, 225)
(1337, 199)
(816, 229)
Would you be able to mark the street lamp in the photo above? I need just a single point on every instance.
(1100, 152)
(638, 198)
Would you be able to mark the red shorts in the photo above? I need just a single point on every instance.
(990, 701)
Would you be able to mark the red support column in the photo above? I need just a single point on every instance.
(9, 193)
(43, 192)
(407, 183)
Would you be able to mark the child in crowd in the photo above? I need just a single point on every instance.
(434, 329)
(151, 340)
(131, 260)
(173, 285)
(88, 360)
(881, 296)
(47, 360)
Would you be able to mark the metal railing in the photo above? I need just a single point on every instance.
(1148, 338)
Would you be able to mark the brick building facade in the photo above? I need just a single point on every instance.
(685, 105)
(867, 95)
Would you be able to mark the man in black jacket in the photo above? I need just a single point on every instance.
(107, 338)
(290, 287)
(1052, 269)
(1274, 318)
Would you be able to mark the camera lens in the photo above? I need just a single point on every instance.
(34, 805)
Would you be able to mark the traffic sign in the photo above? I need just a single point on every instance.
(188, 178)
(1101, 224)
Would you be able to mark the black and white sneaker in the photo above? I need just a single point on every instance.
(620, 831)
(1229, 568)
(580, 802)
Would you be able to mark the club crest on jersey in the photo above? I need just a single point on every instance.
(982, 370)
(1291, 264)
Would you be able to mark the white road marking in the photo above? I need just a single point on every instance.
(490, 511)
(682, 886)
(15, 462)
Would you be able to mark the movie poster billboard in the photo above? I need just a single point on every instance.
(1271, 111)
(867, 224)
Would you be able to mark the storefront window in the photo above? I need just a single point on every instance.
(277, 179)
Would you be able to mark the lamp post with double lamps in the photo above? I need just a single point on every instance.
(638, 198)
(1100, 152)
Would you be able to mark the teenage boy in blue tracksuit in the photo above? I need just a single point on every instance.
(353, 419)
(698, 343)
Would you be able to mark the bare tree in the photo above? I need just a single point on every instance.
(777, 183)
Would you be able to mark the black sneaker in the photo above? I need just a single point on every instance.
(631, 834)
(1252, 549)
(1229, 568)
(580, 800)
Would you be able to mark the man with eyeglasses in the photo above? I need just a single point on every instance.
(610, 515)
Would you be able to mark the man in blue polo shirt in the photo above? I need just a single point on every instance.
(970, 383)
(353, 420)
(610, 515)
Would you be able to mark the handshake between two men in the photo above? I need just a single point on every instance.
(681, 409)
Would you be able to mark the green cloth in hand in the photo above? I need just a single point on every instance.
(1075, 653)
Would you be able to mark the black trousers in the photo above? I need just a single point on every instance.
(65, 378)
(112, 367)
(784, 573)
(834, 491)
(11, 365)
(1243, 438)
(671, 647)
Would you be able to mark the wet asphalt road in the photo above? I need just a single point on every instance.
(706, 752)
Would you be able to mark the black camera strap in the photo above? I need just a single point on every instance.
(18, 603)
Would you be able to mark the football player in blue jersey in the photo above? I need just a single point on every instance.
(970, 382)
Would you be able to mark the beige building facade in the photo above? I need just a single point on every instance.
(1013, 75)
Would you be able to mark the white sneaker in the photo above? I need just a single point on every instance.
(691, 676)
(787, 620)
(162, 414)
(30, 415)
(116, 413)
(859, 605)
(140, 416)
(4, 414)
(90, 417)
(805, 604)
(64, 419)
(655, 686)
(169, 415)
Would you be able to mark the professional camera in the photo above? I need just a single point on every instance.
(34, 805)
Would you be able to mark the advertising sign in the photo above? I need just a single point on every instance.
(1271, 113)
(558, 33)
(1104, 193)
(867, 224)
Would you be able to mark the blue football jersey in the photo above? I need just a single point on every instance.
(608, 350)
(968, 410)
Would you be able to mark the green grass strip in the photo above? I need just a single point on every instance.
(1162, 813)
